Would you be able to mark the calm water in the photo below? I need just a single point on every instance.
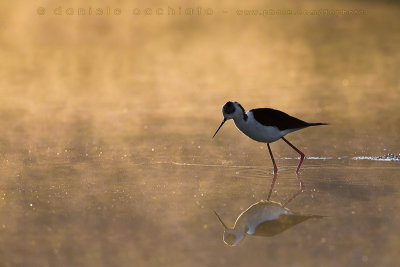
(106, 156)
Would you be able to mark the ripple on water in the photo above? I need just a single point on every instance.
(388, 157)
(252, 172)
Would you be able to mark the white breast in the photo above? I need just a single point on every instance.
(257, 131)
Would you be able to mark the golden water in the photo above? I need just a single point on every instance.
(106, 156)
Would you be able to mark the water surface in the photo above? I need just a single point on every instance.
(106, 156)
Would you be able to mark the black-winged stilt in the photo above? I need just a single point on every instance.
(265, 125)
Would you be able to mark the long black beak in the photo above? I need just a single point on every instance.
(219, 218)
(222, 123)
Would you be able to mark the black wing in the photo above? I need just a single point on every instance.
(273, 117)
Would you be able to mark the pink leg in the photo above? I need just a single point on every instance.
(298, 151)
(272, 186)
(272, 157)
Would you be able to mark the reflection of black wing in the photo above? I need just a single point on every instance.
(284, 222)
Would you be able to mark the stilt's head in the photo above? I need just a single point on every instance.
(231, 237)
(231, 110)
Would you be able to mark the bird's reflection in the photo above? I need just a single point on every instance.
(301, 188)
(264, 218)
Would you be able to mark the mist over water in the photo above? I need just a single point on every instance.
(106, 155)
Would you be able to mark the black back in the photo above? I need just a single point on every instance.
(273, 117)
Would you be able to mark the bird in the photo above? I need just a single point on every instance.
(265, 125)
(263, 218)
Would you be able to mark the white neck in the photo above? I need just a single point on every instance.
(240, 122)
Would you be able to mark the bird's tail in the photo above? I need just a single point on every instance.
(317, 123)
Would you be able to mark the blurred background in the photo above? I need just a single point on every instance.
(107, 114)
